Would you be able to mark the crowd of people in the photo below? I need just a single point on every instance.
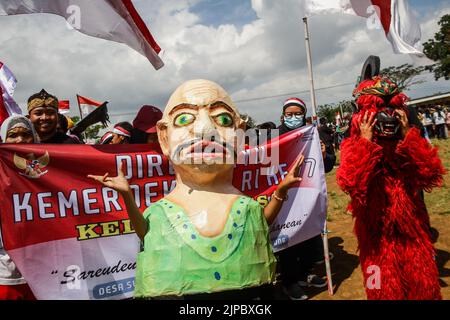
(44, 124)
(435, 120)
(434, 123)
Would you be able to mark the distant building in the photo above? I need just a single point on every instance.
(442, 99)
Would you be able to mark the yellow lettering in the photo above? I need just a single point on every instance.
(86, 231)
(107, 229)
(127, 227)
(110, 228)
(262, 200)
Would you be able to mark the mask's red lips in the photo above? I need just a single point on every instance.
(206, 148)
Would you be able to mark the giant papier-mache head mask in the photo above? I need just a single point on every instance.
(199, 124)
(376, 93)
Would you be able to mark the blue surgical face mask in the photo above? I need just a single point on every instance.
(294, 122)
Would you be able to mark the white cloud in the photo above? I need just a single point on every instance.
(265, 57)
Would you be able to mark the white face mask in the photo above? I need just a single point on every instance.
(294, 122)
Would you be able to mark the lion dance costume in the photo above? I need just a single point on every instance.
(384, 178)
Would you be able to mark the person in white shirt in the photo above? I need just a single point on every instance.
(447, 119)
(439, 121)
(428, 122)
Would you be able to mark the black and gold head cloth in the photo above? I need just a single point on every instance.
(42, 99)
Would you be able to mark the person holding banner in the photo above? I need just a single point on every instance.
(296, 262)
(43, 113)
(205, 237)
(15, 129)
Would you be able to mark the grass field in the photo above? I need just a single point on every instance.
(437, 201)
(347, 276)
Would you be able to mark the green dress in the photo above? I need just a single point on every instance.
(177, 260)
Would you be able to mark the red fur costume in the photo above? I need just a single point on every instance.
(384, 179)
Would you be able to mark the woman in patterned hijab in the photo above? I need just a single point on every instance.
(18, 129)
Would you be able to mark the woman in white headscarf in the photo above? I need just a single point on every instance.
(18, 129)
(15, 129)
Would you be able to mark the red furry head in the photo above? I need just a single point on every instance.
(382, 96)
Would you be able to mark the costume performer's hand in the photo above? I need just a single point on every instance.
(403, 119)
(119, 183)
(366, 124)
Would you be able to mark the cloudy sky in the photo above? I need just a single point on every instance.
(253, 48)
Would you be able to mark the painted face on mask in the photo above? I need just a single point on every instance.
(381, 96)
(387, 125)
(198, 129)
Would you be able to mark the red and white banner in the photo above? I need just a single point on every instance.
(64, 107)
(8, 83)
(87, 105)
(114, 20)
(72, 239)
(394, 16)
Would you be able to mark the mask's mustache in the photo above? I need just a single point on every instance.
(176, 154)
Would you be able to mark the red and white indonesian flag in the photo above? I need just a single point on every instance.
(64, 107)
(397, 20)
(87, 105)
(114, 20)
(8, 84)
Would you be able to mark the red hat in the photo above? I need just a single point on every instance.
(147, 118)
(294, 102)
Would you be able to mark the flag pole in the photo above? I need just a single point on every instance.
(310, 70)
(81, 116)
(326, 254)
(315, 122)
(79, 108)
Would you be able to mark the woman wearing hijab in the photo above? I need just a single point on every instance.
(15, 129)
(18, 129)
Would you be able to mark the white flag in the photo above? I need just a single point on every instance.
(114, 20)
(394, 16)
(8, 83)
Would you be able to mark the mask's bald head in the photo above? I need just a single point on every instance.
(199, 93)
(198, 109)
